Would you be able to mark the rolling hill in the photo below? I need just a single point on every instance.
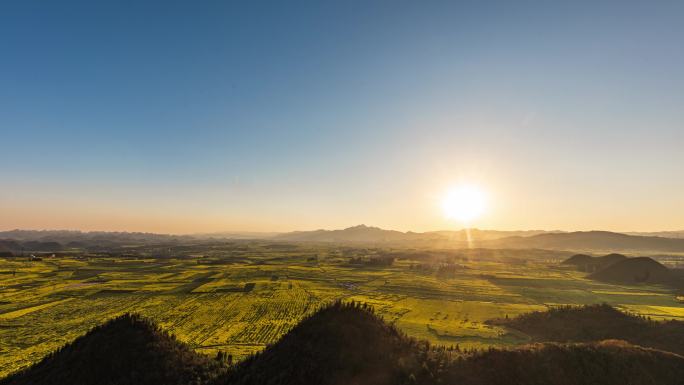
(589, 240)
(552, 240)
(607, 362)
(578, 260)
(376, 235)
(9, 246)
(598, 322)
(346, 343)
(595, 241)
(340, 344)
(635, 271)
(591, 264)
(125, 350)
(356, 234)
(592, 241)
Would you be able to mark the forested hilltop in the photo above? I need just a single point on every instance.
(346, 343)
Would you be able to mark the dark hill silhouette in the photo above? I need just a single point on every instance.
(346, 344)
(41, 246)
(53, 240)
(591, 264)
(343, 344)
(125, 350)
(9, 245)
(611, 258)
(599, 322)
(374, 235)
(553, 240)
(340, 344)
(591, 241)
(634, 271)
(605, 363)
(355, 234)
(76, 245)
(578, 260)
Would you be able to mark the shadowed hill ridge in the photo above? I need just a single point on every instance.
(605, 363)
(635, 270)
(610, 259)
(125, 350)
(590, 264)
(599, 322)
(340, 344)
(347, 344)
(344, 343)
(613, 257)
(578, 259)
(590, 240)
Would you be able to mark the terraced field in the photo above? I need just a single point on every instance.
(240, 297)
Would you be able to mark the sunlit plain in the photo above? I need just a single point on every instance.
(208, 301)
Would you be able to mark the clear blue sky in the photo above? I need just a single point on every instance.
(205, 116)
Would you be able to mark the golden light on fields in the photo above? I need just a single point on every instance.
(464, 203)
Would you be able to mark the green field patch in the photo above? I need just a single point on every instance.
(27, 310)
(656, 312)
(206, 306)
(448, 322)
(636, 293)
(115, 291)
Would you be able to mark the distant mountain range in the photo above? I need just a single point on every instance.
(534, 239)
(64, 236)
(664, 234)
(591, 241)
(594, 241)
(370, 234)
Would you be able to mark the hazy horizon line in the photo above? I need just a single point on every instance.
(265, 232)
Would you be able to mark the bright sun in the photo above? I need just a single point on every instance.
(464, 203)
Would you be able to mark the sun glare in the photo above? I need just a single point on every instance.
(464, 203)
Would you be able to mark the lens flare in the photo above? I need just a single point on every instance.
(464, 203)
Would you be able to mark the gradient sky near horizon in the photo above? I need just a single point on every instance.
(272, 116)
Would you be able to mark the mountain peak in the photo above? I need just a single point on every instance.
(360, 227)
